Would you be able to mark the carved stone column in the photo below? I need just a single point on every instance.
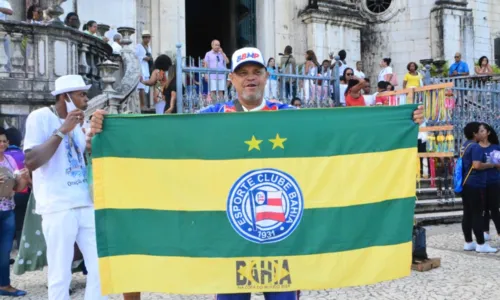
(29, 56)
(4, 59)
(107, 69)
(83, 67)
(126, 33)
(17, 58)
(55, 11)
(102, 29)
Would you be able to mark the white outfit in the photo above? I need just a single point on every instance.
(64, 202)
(342, 68)
(359, 74)
(160, 107)
(385, 71)
(370, 99)
(271, 91)
(218, 85)
(140, 52)
(309, 86)
(117, 48)
(343, 88)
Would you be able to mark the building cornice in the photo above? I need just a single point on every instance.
(333, 12)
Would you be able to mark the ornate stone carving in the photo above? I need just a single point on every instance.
(54, 11)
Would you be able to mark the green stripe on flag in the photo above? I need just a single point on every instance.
(308, 133)
(209, 233)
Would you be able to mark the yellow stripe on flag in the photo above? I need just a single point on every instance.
(204, 185)
(161, 274)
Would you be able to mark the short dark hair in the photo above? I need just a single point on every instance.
(295, 99)
(367, 79)
(382, 85)
(342, 54)
(288, 50)
(470, 129)
(14, 136)
(387, 61)
(3, 131)
(412, 63)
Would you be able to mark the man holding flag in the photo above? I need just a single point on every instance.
(249, 77)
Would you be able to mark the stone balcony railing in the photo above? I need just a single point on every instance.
(33, 56)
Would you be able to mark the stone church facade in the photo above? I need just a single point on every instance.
(369, 30)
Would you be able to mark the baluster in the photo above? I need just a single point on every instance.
(17, 57)
(108, 69)
(93, 64)
(83, 67)
(4, 57)
(126, 33)
(30, 57)
(102, 29)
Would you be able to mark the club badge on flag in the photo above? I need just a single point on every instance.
(265, 206)
(268, 206)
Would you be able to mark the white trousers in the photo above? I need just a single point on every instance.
(271, 91)
(61, 230)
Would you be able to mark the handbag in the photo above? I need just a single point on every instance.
(7, 188)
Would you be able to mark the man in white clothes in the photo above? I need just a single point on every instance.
(143, 53)
(55, 147)
(116, 45)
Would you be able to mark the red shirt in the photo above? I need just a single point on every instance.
(351, 101)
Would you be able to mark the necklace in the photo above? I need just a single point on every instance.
(71, 141)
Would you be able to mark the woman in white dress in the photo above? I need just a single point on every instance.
(310, 69)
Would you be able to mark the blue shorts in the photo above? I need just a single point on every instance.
(267, 296)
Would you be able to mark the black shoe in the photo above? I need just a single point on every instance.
(12, 261)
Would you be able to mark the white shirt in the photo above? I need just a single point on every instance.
(359, 74)
(385, 71)
(4, 4)
(140, 52)
(117, 48)
(61, 183)
(342, 68)
(343, 88)
(370, 99)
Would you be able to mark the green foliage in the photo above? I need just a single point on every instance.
(434, 70)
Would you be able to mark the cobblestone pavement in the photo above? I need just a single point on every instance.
(461, 276)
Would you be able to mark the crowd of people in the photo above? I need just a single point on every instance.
(56, 155)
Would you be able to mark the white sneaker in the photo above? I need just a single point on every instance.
(485, 248)
(487, 237)
(470, 246)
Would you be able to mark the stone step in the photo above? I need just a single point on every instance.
(438, 205)
(439, 217)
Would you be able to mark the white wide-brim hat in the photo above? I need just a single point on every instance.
(70, 83)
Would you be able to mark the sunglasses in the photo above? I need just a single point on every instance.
(457, 56)
(348, 74)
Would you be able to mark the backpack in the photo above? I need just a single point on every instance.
(419, 250)
(458, 181)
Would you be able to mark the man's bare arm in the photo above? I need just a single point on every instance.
(41, 154)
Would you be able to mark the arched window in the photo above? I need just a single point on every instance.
(378, 6)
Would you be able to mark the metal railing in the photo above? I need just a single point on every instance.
(203, 86)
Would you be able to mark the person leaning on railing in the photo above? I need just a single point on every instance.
(483, 67)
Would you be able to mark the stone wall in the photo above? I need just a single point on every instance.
(404, 37)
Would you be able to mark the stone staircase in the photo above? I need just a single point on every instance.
(433, 207)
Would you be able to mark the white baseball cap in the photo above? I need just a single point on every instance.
(247, 55)
(70, 83)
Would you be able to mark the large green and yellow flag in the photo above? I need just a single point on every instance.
(264, 201)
